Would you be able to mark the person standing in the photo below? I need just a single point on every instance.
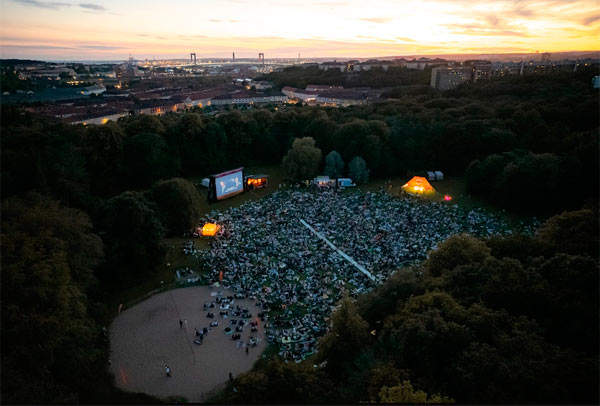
(230, 377)
(168, 371)
(185, 323)
(180, 323)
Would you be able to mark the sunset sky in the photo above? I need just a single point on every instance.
(113, 29)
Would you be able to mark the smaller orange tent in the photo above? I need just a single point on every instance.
(210, 229)
(418, 185)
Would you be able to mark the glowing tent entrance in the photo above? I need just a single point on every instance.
(210, 229)
(418, 185)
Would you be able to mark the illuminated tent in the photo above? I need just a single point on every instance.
(418, 185)
(210, 229)
(256, 181)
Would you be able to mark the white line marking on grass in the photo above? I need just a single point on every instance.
(339, 251)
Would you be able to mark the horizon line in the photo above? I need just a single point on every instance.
(309, 57)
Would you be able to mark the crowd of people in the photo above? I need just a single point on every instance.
(264, 252)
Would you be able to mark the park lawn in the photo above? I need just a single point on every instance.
(452, 186)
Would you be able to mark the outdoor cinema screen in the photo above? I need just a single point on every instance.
(228, 184)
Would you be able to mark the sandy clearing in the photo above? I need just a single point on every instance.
(146, 337)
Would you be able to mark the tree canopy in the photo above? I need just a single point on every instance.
(132, 233)
(302, 160)
(178, 205)
(50, 344)
(334, 165)
(357, 170)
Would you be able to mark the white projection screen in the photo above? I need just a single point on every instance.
(229, 183)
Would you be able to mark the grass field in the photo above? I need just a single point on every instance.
(175, 259)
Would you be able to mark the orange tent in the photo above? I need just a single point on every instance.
(418, 185)
(210, 229)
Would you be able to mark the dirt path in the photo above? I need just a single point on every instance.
(147, 337)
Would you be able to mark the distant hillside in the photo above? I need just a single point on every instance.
(493, 57)
(8, 62)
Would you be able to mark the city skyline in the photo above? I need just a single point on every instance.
(111, 30)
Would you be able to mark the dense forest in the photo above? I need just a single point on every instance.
(394, 77)
(85, 211)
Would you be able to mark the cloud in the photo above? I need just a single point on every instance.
(493, 20)
(187, 37)
(71, 47)
(522, 12)
(490, 33)
(591, 20)
(405, 39)
(377, 20)
(92, 6)
(330, 4)
(35, 47)
(55, 5)
(216, 20)
(102, 47)
(477, 29)
(52, 5)
(494, 50)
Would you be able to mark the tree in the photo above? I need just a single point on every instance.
(274, 381)
(185, 139)
(364, 138)
(348, 336)
(264, 144)
(528, 182)
(334, 165)
(573, 232)
(179, 204)
(404, 393)
(457, 250)
(45, 158)
(322, 129)
(147, 159)
(103, 148)
(144, 123)
(237, 125)
(133, 236)
(302, 160)
(52, 349)
(357, 170)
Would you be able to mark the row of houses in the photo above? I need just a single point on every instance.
(155, 102)
(335, 96)
(450, 76)
(543, 66)
(117, 103)
(357, 66)
(245, 97)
